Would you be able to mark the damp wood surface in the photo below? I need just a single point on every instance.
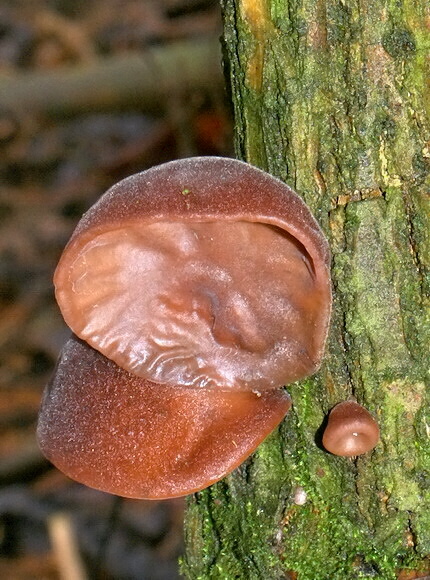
(333, 98)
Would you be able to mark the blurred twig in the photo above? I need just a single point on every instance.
(117, 82)
(65, 547)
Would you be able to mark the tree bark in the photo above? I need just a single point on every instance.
(331, 97)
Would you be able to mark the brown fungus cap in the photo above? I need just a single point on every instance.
(125, 435)
(202, 272)
(351, 430)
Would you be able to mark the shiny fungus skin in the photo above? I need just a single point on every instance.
(117, 432)
(203, 272)
(351, 430)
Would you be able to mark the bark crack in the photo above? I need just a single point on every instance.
(412, 241)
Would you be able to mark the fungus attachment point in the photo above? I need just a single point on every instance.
(351, 430)
(122, 434)
(230, 290)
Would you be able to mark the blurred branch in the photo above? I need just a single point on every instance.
(144, 80)
(65, 547)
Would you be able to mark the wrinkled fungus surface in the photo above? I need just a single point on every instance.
(123, 434)
(204, 272)
(197, 303)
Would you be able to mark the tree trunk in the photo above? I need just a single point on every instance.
(330, 96)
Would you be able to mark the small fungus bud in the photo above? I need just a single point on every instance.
(351, 430)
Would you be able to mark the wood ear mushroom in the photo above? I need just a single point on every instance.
(351, 430)
(196, 289)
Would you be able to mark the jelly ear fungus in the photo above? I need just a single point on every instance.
(351, 430)
(200, 288)
(120, 433)
(206, 272)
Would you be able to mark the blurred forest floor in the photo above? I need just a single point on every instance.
(55, 161)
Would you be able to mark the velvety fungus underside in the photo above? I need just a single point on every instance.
(120, 433)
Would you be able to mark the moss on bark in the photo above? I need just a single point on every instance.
(331, 97)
